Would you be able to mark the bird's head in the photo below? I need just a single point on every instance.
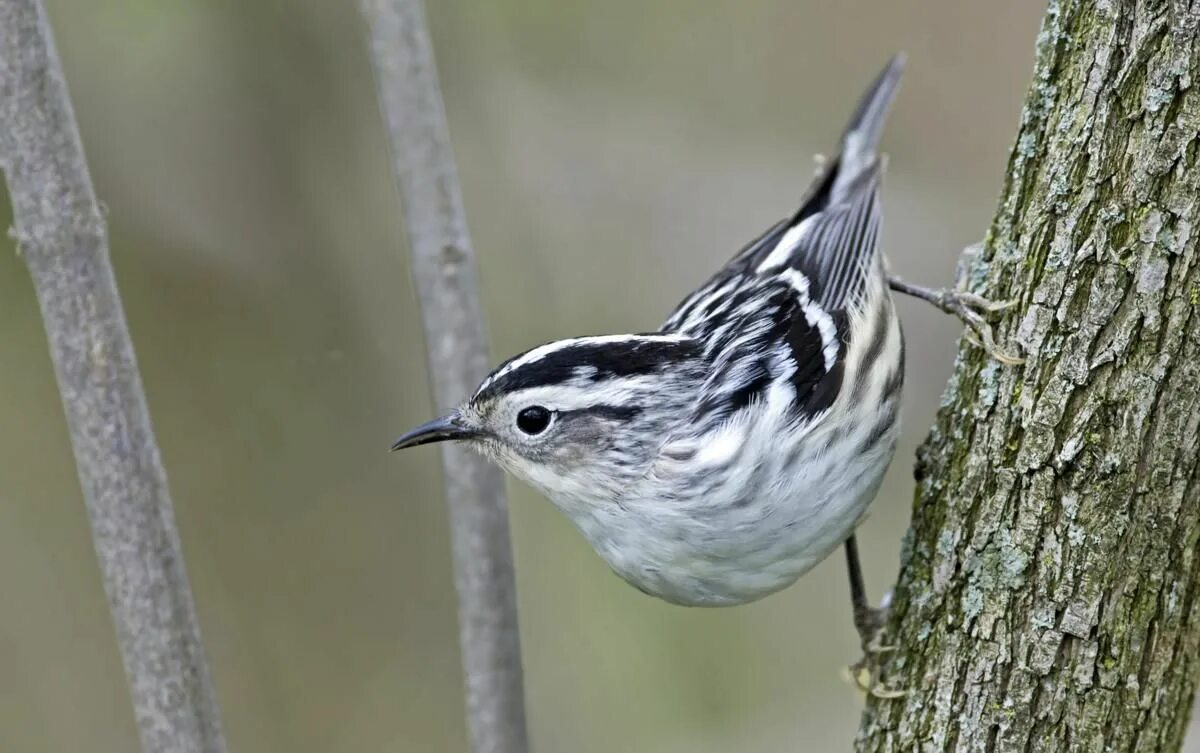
(579, 419)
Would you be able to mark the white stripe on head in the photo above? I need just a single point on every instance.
(543, 351)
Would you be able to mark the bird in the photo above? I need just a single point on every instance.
(714, 461)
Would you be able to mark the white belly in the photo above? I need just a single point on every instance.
(734, 537)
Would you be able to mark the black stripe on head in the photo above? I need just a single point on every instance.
(611, 412)
(595, 361)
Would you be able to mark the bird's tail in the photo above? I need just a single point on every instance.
(860, 140)
(832, 236)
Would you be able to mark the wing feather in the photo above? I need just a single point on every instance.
(778, 310)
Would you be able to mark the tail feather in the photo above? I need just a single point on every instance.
(860, 140)
(833, 237)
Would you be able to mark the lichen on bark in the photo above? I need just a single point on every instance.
(1047, 599)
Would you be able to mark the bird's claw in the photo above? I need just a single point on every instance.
(985, 305)
(870, 623)
(864, 675)
(968, 307)
(973, 310)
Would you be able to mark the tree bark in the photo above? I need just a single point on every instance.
(1047, 599)
(443, 265)
(60, 233)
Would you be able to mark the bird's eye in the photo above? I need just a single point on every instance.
(533, 420)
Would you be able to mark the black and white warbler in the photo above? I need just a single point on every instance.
(715, 461)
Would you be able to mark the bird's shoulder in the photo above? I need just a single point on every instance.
(761, 332)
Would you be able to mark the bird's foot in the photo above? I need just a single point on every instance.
(864, 673)
(865, 676)
(973, 310)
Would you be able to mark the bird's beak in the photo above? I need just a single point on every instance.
(449, 426)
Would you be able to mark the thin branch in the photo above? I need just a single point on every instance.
(443, 265)
(61, 234)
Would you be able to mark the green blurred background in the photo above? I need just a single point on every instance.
(612, 154)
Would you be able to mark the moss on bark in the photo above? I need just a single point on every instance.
(1047, 599)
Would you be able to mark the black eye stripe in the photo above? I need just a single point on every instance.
(535, 419)
(613, 412)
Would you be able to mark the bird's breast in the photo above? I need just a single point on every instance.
(740, 519)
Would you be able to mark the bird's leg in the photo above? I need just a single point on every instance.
(869, 621)
(972, 309)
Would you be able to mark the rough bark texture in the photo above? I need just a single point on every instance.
(1047, 599)
(60, 232)
(443, 265)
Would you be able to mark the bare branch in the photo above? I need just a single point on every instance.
(61, 235)
(444, 267)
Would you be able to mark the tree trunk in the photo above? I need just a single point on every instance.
(1047, 593)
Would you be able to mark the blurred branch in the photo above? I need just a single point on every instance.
(443, 265)
(1049, 595)
(61, 234)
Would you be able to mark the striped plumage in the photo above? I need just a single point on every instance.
(715, 461)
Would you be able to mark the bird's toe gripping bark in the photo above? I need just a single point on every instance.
(972, 309)
(865, 672)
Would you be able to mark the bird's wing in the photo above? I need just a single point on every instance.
(779, 310)
(766, 333)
